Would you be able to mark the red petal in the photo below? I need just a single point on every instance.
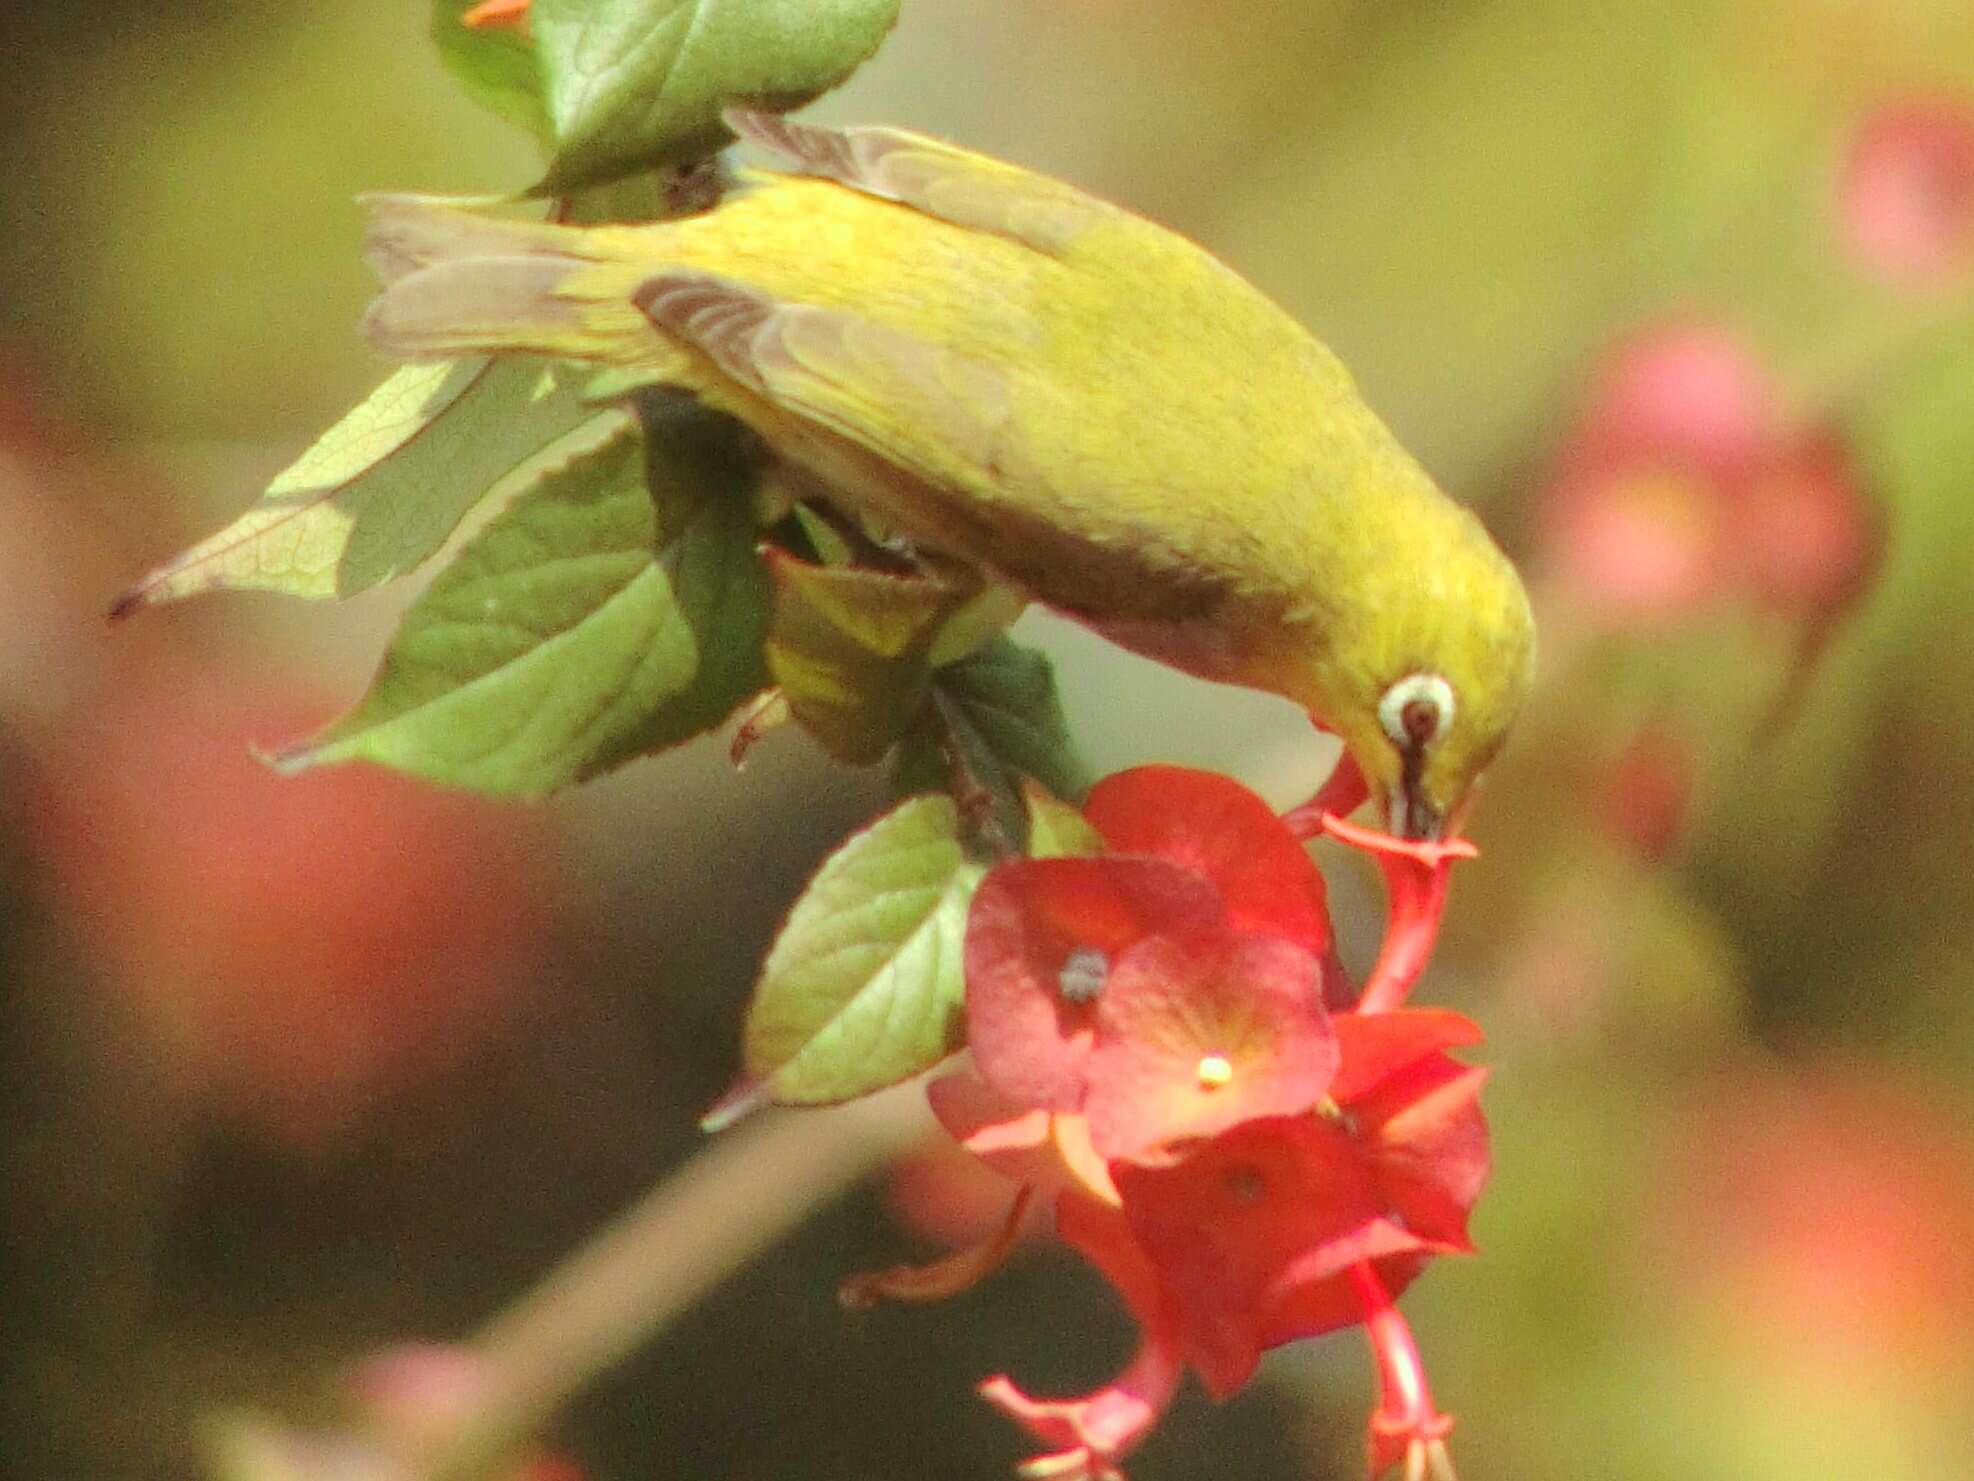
(1244, 1211)
(1042, 1148)
(1376, 1046)
(1103, 1236)
(1029, 1040)
(1429, 1142)
(1090, 1433)
(1198, 1034)
(1316, 1294)
(1214, 826)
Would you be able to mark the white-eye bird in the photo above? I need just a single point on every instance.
(1045, 386)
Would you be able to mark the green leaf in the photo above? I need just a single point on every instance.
(1006, 693)
(992, 725)
(848, 646)
(496, 65)
(1055, 829)
(864, 987)
(976, 623)
(384, 487)
(587, 624)
(633, 84)
(699, 468)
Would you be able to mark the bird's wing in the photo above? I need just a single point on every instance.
(931, 410)
(936, 414)
(939, 179)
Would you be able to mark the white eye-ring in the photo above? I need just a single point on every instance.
(1416, 711)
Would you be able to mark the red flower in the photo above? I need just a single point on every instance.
(1646, 792)
(1151, 1051)
(297, 949)
(1254, 1234)
(1806, 540)
(1167, 991)
(1264, 1233)
(1198, 1034)
(1688, 394)
(1748, 1183)
(1043, 937)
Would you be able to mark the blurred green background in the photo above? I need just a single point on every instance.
(298, 1070)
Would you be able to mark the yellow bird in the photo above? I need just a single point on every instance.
(1073, 399)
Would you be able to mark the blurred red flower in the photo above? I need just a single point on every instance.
(1684, 483)
(1635, 520)
(1832, 1214)
(1646, 796)
(1805, 541)
(491, 15)
(297, 947)
(1906, 192)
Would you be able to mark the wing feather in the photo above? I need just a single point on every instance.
(952, 184)
(938, 413)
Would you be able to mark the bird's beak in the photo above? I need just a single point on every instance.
(1411, 816)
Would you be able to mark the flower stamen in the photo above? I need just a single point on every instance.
(1216, 1072)
(1084, 972)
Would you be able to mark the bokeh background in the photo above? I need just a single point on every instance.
(1678, 295)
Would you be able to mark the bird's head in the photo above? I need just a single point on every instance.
(1431, 695)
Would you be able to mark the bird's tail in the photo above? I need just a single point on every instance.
(459, 282)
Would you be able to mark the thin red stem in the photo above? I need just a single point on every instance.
(1341, 795)
(1418, 902)
(1406, 1426)
(1403, 1393)
(1417, 873)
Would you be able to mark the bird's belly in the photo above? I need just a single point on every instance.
(1199, 646)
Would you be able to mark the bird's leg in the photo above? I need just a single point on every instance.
(1416, 873)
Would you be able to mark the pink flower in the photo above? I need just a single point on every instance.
(1906, 193)
(1685, 484)
(1805, 539)
(1635, 521)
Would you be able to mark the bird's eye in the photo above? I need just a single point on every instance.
(1416, 711)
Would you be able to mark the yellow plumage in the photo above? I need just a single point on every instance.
(1082, 403)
